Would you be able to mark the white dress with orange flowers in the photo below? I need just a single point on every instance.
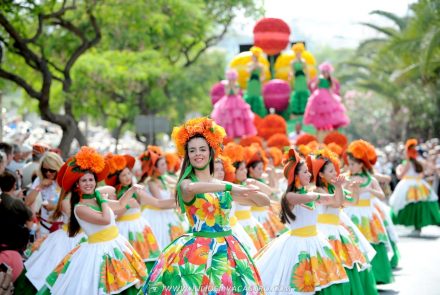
(253, 228)
(301, 261)
(239, 232)
(138, 232)
(165, 223)
(51, 251)
(343, 244)
(106, 264)
(410, 190)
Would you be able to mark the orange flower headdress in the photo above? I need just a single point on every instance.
(316, 163)
(276, 154)
(359, 149)
(410, 148)
(173, 162)
(335, 148)
(249, 140)
(290, 164)
(254, 153)
(336, 138)
(271, 124)
(305, 139)
(213, 134)
(149, 159)
(117, 163)
(234, 152)
(228, 168)
(87, 160)
(278, 140)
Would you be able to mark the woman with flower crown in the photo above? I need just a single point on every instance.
(130, 222)
(363, 213)
(301, 261)
(165, 223)
(107, 263)
(325, 169)
(256, 162)
(210, 258)
(242, 211)
(414, 202)
(224, 170)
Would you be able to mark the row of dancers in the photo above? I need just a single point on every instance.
(237, 220)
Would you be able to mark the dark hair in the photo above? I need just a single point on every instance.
(7, 148)
(417, 165)
(318, 181)
(252, 165)
(286, 214)
(75, 197)
(7, 181)
(186, 162)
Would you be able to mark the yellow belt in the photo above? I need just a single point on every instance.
(304, 232)
(413, 177)
(150, 207)
(364, 203)
(130, 217)
(107, 234)
(328, 219)
(242, 214)
(258, 209)
(233, 220)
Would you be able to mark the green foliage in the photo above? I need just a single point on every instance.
(401, 70)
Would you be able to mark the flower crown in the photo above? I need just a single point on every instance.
(87, 159)
(328, 155)
(290, 165)
(234, 152)
(228, 168)
(213, 134)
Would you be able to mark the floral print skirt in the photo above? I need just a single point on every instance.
(201, 265)
(100, 268)
(291, 264)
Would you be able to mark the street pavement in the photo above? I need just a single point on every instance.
(419, 266)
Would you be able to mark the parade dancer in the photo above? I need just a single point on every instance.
(301, 261)
(210, 258)
(107, 263)
(413, 201)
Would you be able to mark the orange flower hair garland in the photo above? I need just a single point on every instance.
(213, 134)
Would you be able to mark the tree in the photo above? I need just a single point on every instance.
(39, 45)
(403, 67)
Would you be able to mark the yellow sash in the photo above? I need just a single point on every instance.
(412, 177)
(65, 227)
(130, 217)
(259, 209)
(304, 232)
(364, 203)
(104, 235)
(233, 220)
(150, 207)
(242, 214)
(328, 219)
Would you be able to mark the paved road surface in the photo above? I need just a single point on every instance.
(419, 266)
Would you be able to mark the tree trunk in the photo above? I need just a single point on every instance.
(117, 133)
